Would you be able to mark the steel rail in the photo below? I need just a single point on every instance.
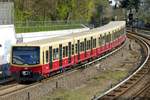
(128, 78)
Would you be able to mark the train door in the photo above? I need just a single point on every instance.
(60, 54)
(69, 56)
(50, 58)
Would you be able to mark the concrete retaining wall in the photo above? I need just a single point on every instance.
(27, 37)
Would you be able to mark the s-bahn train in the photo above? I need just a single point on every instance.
(36, 60)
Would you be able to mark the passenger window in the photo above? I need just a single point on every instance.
(47, 56)
(79, 46)
(85, 44)
(82, 46)
(66, 51)
(91, 43)
(43, 58)
(55, 54)
(72, 49)
(94, 43)
(76, 46)
(69, 47)
(63, 51)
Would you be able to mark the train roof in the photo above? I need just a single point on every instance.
(101, 30)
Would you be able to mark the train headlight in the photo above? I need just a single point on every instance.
(25, 73)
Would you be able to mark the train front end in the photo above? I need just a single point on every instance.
(25, 63)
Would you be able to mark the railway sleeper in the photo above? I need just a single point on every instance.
(129, 82)
(136, 76)
(141, 73)
(123, 86)
(111, 95)
(133, 79)
(117, 90)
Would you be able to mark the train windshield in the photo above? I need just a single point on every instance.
(25, 55)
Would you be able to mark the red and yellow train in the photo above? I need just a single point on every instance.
(38, 59)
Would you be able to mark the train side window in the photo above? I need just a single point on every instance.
(46, 56)
(43, 58)
(0, 45)
(94, 43)
(103, 40)
(91, 44)
(54, 50)
(112, 36)
(80, 46)
(57, 54)
(99, 40)
(50, 57)
(85, 45)
(63, 51)
(66, 51)
(109, 37)
(72, 49)
(69, 47)
(76, 47)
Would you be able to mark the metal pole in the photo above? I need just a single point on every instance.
(28, 95)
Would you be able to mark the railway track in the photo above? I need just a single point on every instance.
(137, 83)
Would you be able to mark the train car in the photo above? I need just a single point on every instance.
(36, 60)
(7, 39)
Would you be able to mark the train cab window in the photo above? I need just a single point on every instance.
(47, 56)
(22, 55)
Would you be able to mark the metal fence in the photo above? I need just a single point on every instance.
(35, 26)
(6, 12)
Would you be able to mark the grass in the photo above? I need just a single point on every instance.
(36, 27)
(93, 87)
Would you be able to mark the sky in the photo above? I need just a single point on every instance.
(113, 2)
